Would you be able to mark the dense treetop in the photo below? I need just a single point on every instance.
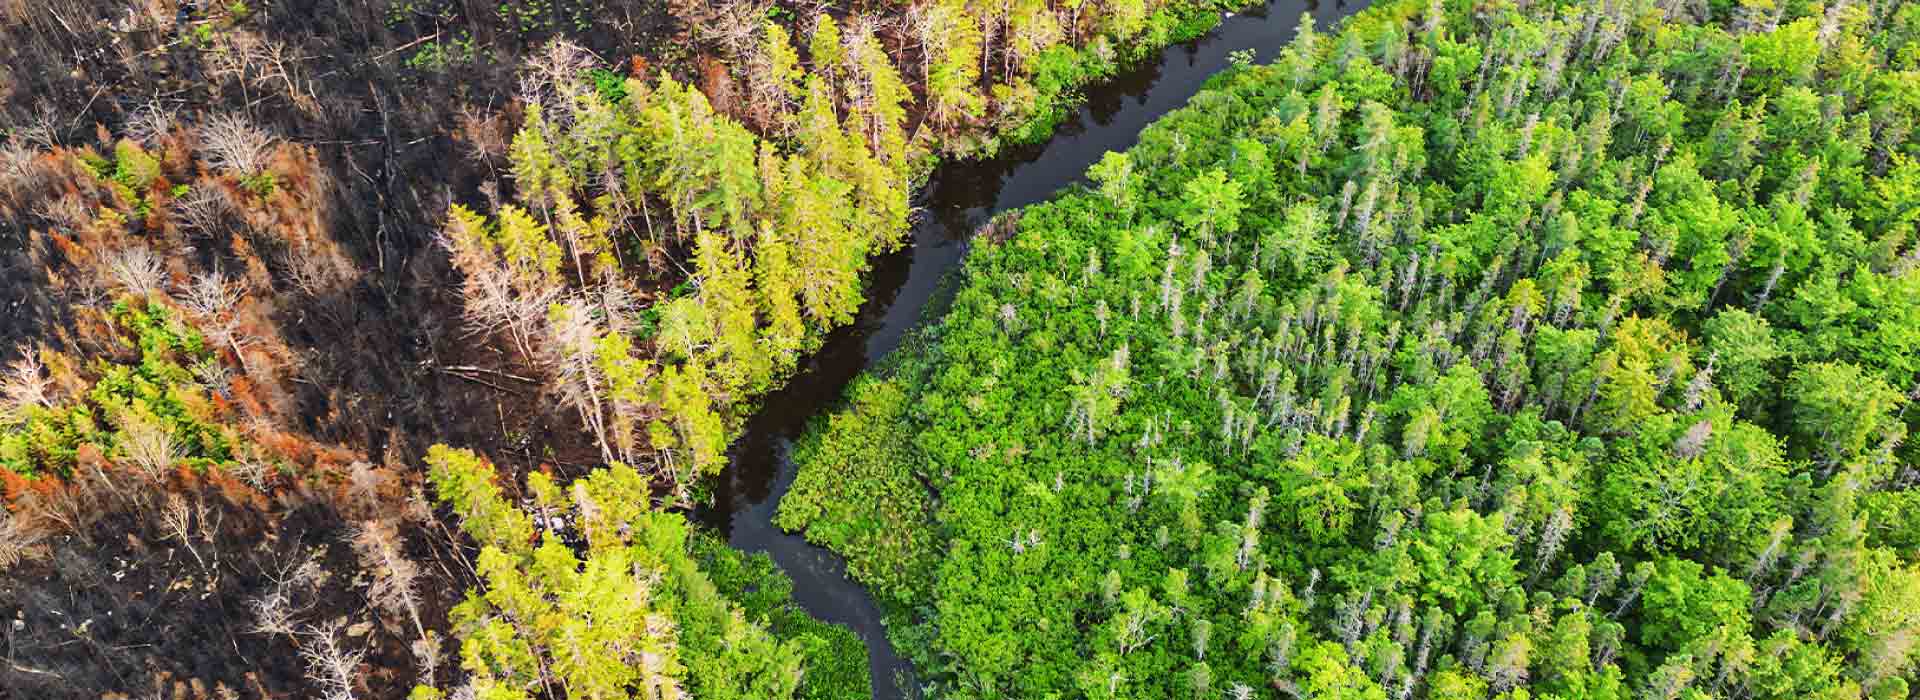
(1543, 349)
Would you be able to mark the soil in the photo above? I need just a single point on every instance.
(118, 606)
(387, 137)
(126, 606)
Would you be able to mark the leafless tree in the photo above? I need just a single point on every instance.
(253, 472)
(213, 375)
(1694, 442)
(277, 611)
(315, 272)
(18, 537)
(136, 269)
(395, 585)
(618, 305)
(570, 350)
(273, 614)
(24, 386)
(41, 128)
(206, 211)
(231, 143)
(331, 665)
(363, 481)
(492, 305)
(426, 656)
(226, 331)
(486, 134)
(68, 211)
(418, 507)
(178, 519)
(148, 445)
(209, 295)
(279, 67)
(552, 77)
(1552, 538)
(1777, 535)
(19, 168)
(152, 122)
(735, 27)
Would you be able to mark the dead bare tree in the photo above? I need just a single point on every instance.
(363, 482)
(231, 143)
(426, 656)
(20, 169)
(19, 536)
(178, 519)
(206, 211)
(253, 472)
(136, 270)
(553, 76)
(486, 134)
(279, 64)
(148, 445)
(492, 305)
(209, 295)
(67, 211)
(331, 665)
(24, 386)
(277, 611)
(213, 375)
(572, 352)
(395, 586)
(41, 128)
(735, 27)
(619, 306)
(152, 122)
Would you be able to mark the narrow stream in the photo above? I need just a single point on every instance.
(960, 198)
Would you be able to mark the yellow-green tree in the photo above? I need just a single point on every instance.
(628, 615)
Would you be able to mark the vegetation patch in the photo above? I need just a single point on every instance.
(1543, 350)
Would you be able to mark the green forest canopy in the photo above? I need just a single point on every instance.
(1546, 349)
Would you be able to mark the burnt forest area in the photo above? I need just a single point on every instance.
(384, 368)
(959, 349)
(233, 328)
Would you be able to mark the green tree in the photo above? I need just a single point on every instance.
(1840, 408)
(1214, 203)
(1742, 349)
(1684, 604)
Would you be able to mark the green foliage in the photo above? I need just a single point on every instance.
(1480, 350)
(760, 252)
(836, 657)
(887, 534)
(150, 410)
(1685, 606)
(630, 613)
(439, 56)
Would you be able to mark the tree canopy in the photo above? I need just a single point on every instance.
(1551, 350)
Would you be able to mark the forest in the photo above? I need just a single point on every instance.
(1467, 350)
(384, 349)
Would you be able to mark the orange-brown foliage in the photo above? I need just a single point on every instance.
(12, 485)
(717, 82)
(243, 390)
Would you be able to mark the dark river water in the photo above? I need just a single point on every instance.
(959, 198)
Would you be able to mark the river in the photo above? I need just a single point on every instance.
(956, 201)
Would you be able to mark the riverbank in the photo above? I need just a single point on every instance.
(959, 198)
(1374, 374)
(381, 362)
